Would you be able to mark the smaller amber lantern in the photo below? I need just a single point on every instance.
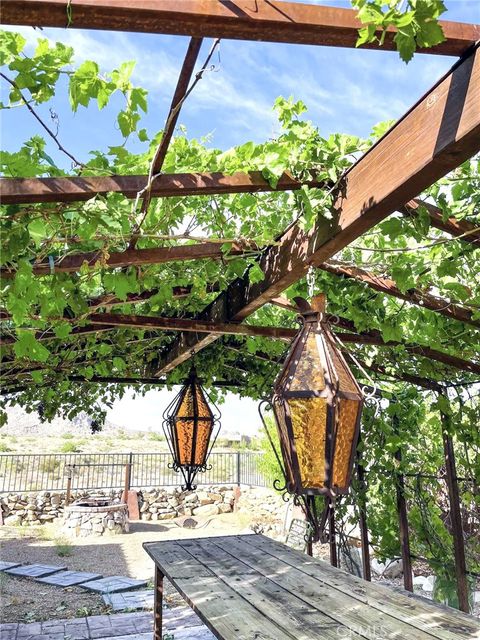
(189, 424)
(317, 405)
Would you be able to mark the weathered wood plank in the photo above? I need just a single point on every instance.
(218, 561)
(270, 21)
(277, 604)
(346, 610)
(226, 614)
(444, 623)
(174, 562)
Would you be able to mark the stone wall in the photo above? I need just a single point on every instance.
(82, 521)
(154, 503)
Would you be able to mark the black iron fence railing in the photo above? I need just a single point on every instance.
(50, 472)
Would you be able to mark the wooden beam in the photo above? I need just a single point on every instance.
(438, 133)
(374, 337)
(414, 296)
(269, 21)
(418, 381)
(129, 257)
(18, 387)
(81, 188)
(426, 352)
(184, 324)
(178, 97)
(464, 229)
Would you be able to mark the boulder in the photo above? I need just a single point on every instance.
(206, 510)
(166, 514)
(224, 508)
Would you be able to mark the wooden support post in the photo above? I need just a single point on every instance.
(239, 472)
(455, 516)
(331, 534)
(158, 605)
(362, 508)
(128, 476)
(403, 520)
(69, 491)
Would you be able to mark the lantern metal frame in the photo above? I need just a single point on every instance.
(317, 519)
(312, 318)
(189, 471)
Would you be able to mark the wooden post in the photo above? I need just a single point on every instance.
(128, 477)
(362, 508)
(403, 520)
(331, 534)
(239, 473)
(158, 605)
(455, 516)
(69, 490)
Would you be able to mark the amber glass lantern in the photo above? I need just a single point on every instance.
(317, 405)
(191, 428)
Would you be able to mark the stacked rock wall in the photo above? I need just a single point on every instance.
(155, 503)
(96, 521)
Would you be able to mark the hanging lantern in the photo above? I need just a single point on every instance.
(317, 405)
(188, 424)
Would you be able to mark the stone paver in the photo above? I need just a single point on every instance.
(129, 600)
(180, 621)
(114, 584)
(8, 565)
(69, 578)
(35, 570)
(136, 636)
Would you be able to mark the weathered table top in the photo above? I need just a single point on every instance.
(250, 587)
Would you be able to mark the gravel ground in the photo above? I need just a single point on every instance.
(24, 600)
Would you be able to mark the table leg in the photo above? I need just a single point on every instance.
(158, 604)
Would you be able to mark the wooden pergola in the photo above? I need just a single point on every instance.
(432, 138)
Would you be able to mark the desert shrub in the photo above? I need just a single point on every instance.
(49, 465)
(63, 547)
(69, 447)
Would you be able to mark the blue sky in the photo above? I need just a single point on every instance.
(345, 90)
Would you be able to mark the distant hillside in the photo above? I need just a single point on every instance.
(21, 423)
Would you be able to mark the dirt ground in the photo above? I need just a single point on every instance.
(24, 600)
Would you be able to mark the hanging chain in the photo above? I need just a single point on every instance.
(311, 281)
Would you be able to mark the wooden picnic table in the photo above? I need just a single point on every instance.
(249, 587)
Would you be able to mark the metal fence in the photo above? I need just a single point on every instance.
(48, 472)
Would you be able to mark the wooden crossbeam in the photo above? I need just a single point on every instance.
(433, 354)
(414, 296)
(266, 20)
(374, 337)
(80, 188)
(185, 324)
(438, 133)
(179, 95)
(129, 257)
(17, 387)
(402, 376)
(464, 229)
